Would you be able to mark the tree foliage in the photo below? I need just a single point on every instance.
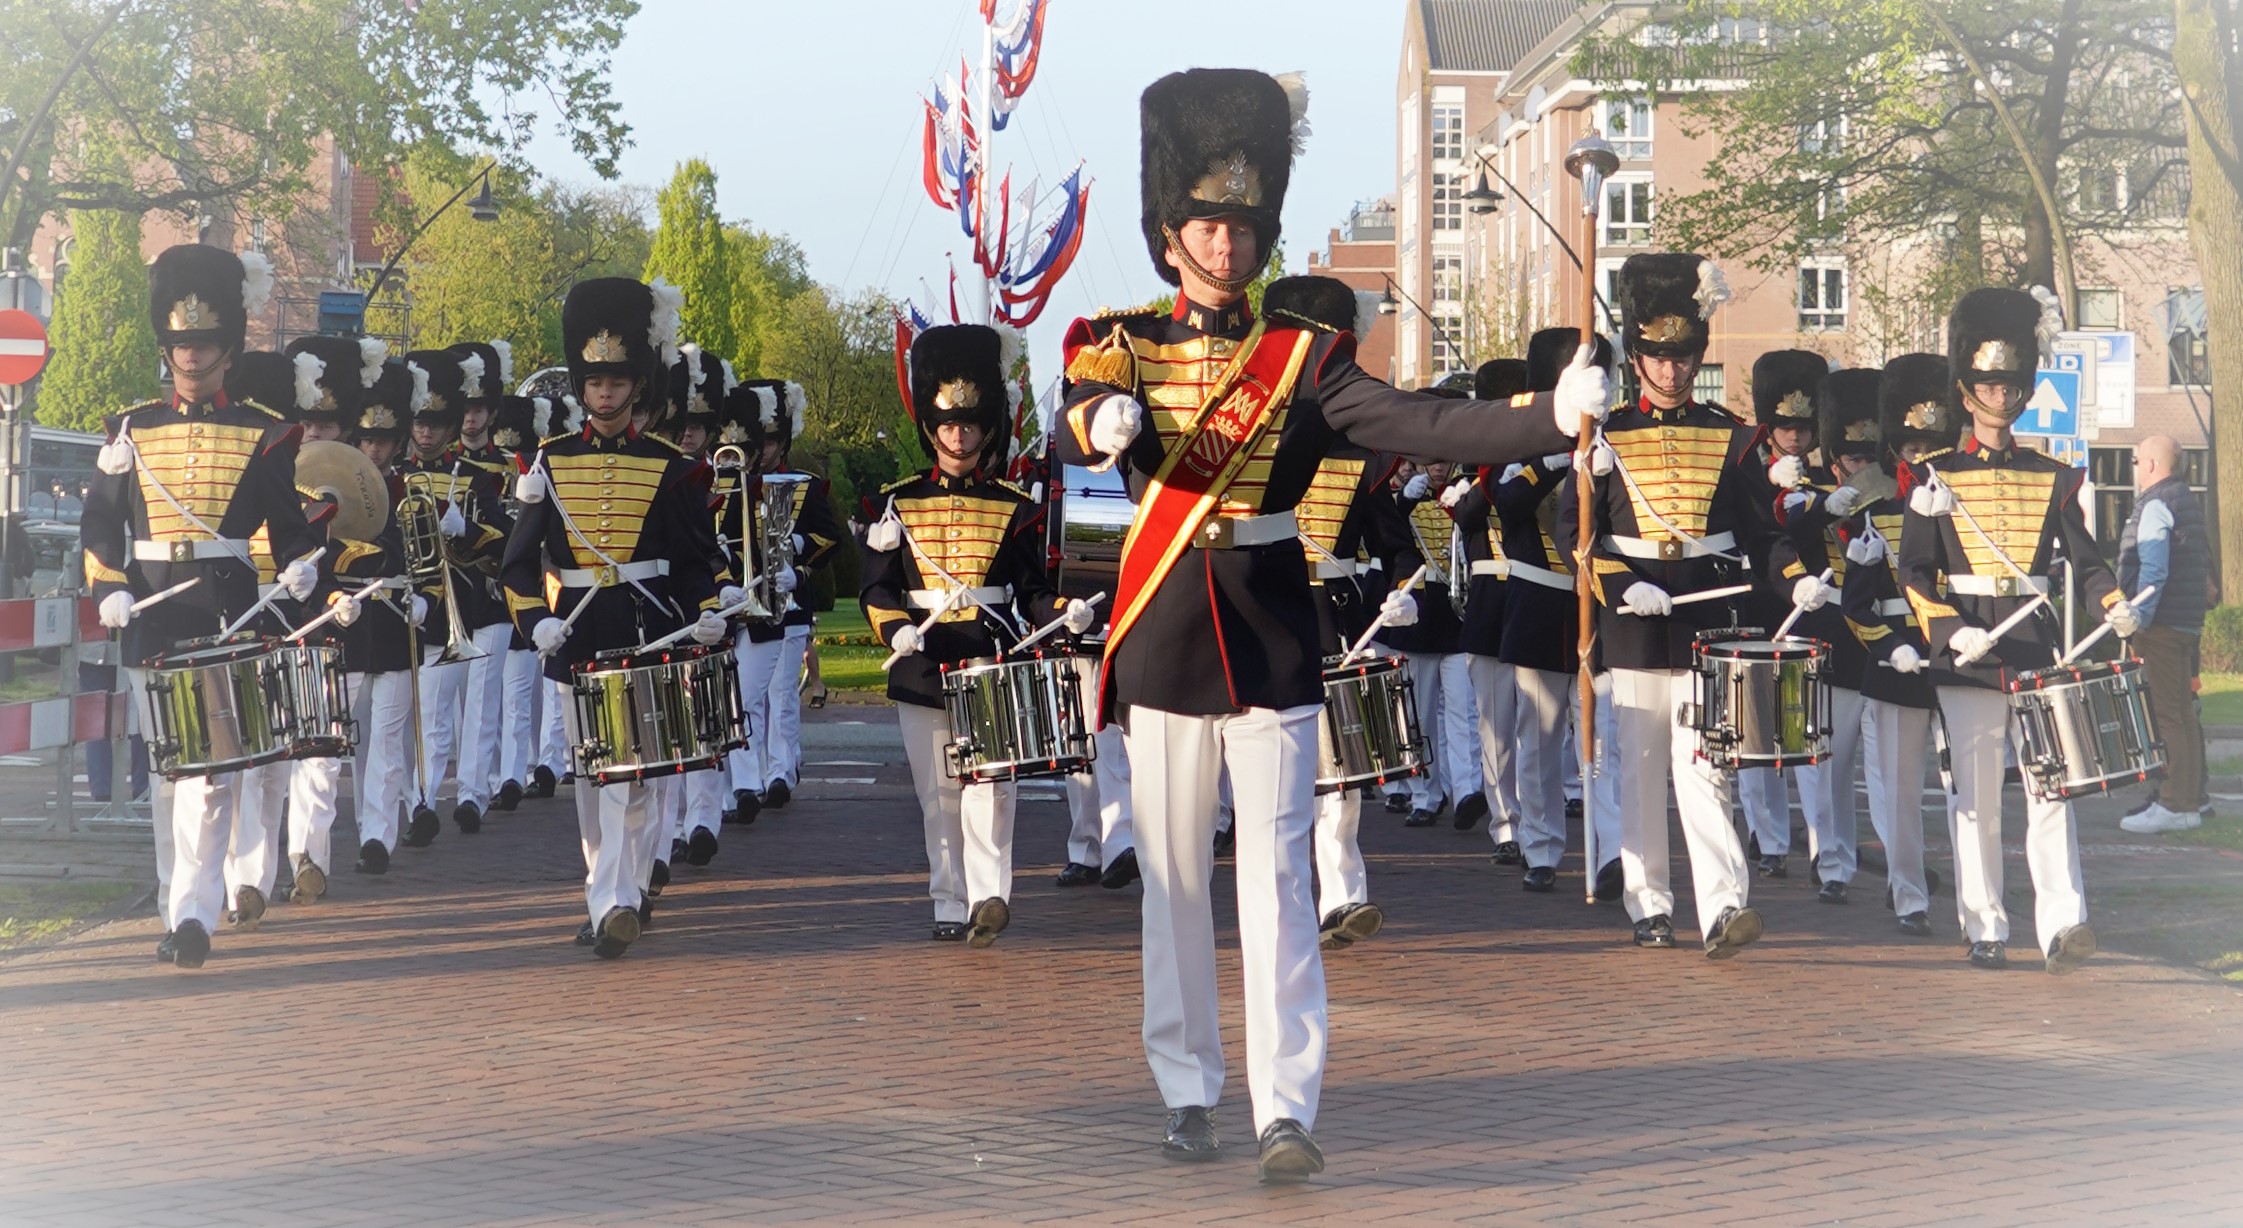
(692, 252)
(768, 272)
(104, 349)
(2210, 68)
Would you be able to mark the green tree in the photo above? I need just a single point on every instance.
(768, 271)
(105, 355)
(2210, 67)
(693, 254)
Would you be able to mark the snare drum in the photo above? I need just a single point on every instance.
(225, 705)
(1369, 734)
(642, 715)
(1760, 703)
(2084, 728)
(1016, 719)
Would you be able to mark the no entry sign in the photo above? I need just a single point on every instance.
(23, 347)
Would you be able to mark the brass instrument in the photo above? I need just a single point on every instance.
(426, 563)
(729, 456)
(774, 535)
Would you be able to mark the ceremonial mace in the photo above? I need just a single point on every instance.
(1589, 160)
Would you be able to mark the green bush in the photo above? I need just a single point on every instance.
(2223, 639)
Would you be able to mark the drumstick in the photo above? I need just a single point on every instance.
(738, 607)
(1379, 623)
(1052, 626)
(2005, 626)
(268, 598)
(1798, 609)
(166, 595)
(1711, 594)
(949, 601)
(2098, 633)
(332, 611)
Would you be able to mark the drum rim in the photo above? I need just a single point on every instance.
(2044, 678)
(1789, 648)
(626, 660)
(1363, 668)
(1034, 656)
(226, 652)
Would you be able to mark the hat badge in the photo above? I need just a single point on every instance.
(191, 314)
(1922, 416)
(378, 418)
(605, 346)
(1795, 404)
(1997, 355)
(1665, 330)
(958, 394)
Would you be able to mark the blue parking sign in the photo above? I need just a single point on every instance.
(2053, 409)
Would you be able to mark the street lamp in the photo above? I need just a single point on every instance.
(484, 208)
(1387, 307)
(1483, 199)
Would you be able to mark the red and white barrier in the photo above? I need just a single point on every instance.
(65, 720)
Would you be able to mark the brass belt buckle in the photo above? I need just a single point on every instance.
(182, 552)
(1670, 551)
(2005, 586)
(1218, 534)
(606, 576)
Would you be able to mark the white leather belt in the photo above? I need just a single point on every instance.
(190, 551)
(608, 577)
(1670, 549)
(266, 590)
(1996, 586)
(1239, 532)
(1542, 576)
(929, 598)
(1329, 569)
(1498, 568)
(1893, 607)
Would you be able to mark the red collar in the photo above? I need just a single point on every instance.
(218, 400)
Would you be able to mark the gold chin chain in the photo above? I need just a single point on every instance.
(1228, 285)
(1971, 401)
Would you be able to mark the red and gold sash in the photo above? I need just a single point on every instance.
(1200, 466)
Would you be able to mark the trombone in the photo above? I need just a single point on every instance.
(426, 564)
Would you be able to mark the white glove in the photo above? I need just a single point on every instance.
(2123, 619)
(1844, 501)
(784, 581)
(1811, 593)
(547, 635)
(1906, 659)
(1079, 616)
(114, 458)
(708, 629)
(1787, 471)
(1647, 600)
(1796, 501)
(298, 579)
(347, 608)
(1114, 424)
(908, 640)
(1417, 487)
(1456, 492)
(1583, 390)
(1970, 643)
(530, 487)
(116, 610)
(417, 612)
(731, 595)
(1556, 460)
(1399, 609)
(453, 524)
(884, 534)
(1514, 469)
(1865, 549)
(1932, 500)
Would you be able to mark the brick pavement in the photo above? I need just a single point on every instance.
(785, 1046)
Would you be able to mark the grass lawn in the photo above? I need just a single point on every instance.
(2223, 699)
(848, 656)
(35, 912)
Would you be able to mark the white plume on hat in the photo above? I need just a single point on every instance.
(256, 282)
(1366, 313)
(372, 353)
(505, 362)
(731, 381)
(419, 399)
(1008, 348)
(573, 417)
(768, 411)
(2052, 318)
(541, 416)
(662, 328)
(1713, 289)
(1295, 86)
(471, 368)
(309, 368)
(690, 355)
(797, 401)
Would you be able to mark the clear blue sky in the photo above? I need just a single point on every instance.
(810, 114)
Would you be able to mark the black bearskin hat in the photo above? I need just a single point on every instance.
(333, 375)
(514, 423)
(487, 370)
(1216, 142)
(1499, 379)
(746, 408)
(1783, 387)
(958, 375)
(198, 294)
(1666, 298)
(1917, 403)
(388, 410)
(781, 412)
(440, 393)
(1995, 335)
(1322, 300)
(1550, 351)
(699, 382)
(264, 378)
(620, 326)
(1846, 412)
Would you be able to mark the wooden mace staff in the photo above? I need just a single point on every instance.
(1590, 160)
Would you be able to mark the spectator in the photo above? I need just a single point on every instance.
(2165, 545)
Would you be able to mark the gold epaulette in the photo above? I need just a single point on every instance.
(1929, 457)
(899, 484)
(1110, 361)
(1116, 313)
(550, 440)
(1723, 410)
(1301, 320)
(264, 409)
(665, 443)
(1003, 484)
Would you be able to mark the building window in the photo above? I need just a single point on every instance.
(1711, 386)
(1822, 297)
(2188, 362)
(1448, 277)
(2100, 308)
(1627, 124)
(1448, 201)
(1448, 132)
(1627, 212)
(1448, 333)
(1823, 138)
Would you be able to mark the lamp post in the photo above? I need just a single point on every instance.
(484, 208)
(1388, 306)
(1589, 161)
(1482, 200)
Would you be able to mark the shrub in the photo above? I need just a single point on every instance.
(2223, 639)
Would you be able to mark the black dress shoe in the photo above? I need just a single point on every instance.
(988, 919)
(167, 950)
(1539, 878)
(745, 806)
(1121, 872)
(469, 817)
(190, 944)
(1612, 881)
(586, 935)
(1076, 874)
(509, 796)
(950, 931)
(1931, 881)
(1470, 810)
(1774, 865)
(1190, 1135)
(421, 829)
(618, 930)
(1508, 853)
(1349, 924)
(1421, 817)
(1289, 1155)
(1655, 931)
(248, 909)
(1752, 847)
(1988, 955)
(310, 884)
(659, 879)
(541, 782)
(1397, 803)
(2072, 946)
(1833, 892)
(701, 848)
(776, 794)
(1733, 931)
(677, 851)
(1916, 925)
(1573, 808)
(373, 858)
(1225, 840)
(569, 777)
(645, 911)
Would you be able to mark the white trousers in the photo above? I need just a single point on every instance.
(969, 826)
(312, 787)
(1117, 829)
(194, 831)
(770, 687)
(1826, 792)
(1651, 746)
(665, 806)
(1762, 794)
(517, 742)
(1495, 693)
(1443, 682)
(483, 711)
(1548, 704)
(253, 854)
(1340, 876)
(1175, 761)
(553, 704)
(1977, 730)
(615, 823)
(442, 688)
(1895, 740)
(707, 794)
(382, 773)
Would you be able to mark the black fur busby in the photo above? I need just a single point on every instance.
(746, 408)
(620, 326)
(699, 382)
(514, 422)
(782, 410)
(441, 386)
(1846, 412)
(1499, 379)
(264, 378)
(333, 375)
(1916, 403)
(958, 375)
(388, 409)
(486, 369)
(1322, 300)
(1783, 387)
(1550, 351)
(1666, 301)
(1217, 142)
(198, 294)
(1995, 336)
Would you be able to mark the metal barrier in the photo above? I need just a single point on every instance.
(64, 722)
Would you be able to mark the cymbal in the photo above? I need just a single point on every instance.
(340, 472)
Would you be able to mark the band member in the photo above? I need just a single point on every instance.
(1674, 516)
(1983, 530)
(377, 651)
(485, 470)
(1221, 420)
(621, 522)
(520, 422)
(183, 483)
(953, 555)
(750, 410)
(1101, 844)
(1439, 672)
(700, 388)
(1540, 636)
(1917, 421)
(1469, 500)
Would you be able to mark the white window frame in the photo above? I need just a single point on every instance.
(2103, 294)
(1820, 317)
(1629, 124)
(1632, 231)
